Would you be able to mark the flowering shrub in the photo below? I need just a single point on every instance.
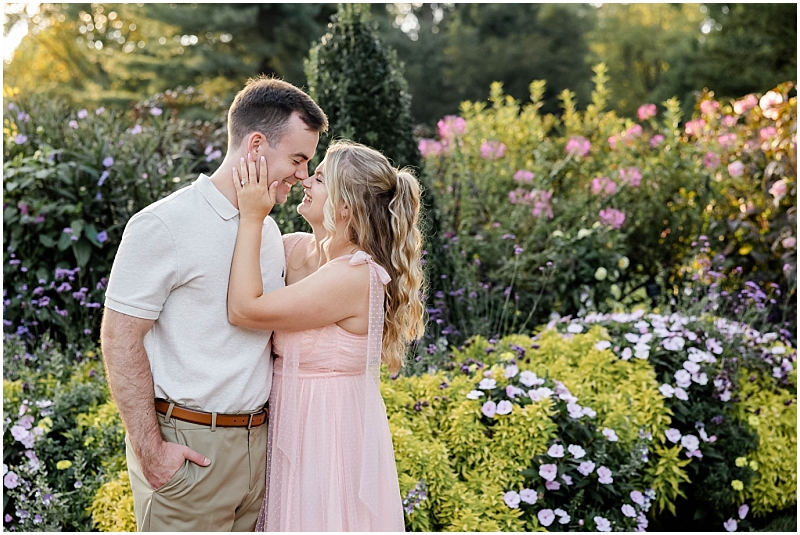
(71, 182)
(61, 435)
(592, 192)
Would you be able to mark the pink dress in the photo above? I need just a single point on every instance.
(330, 461)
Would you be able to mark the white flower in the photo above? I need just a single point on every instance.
(576, 451)
(626, 354)
(591, 413)
(778, 350)
(672, 434)
(487, 384)
(556, 450)
(725, 396)
(666, 390)
(632, 338)
(603, 344)
(691, 367)
(575, 410)
(511, 371)
(610, 434)
(698, 355)
(681, 394)
(683, 378)
(690, 442)
(675, 343)
(575, 328)
(504, 407)
(701, 378)
(475, 394)
(628, 510)
(529, 379)
(528, 496)
(540, 393)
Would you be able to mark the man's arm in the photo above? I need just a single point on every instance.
(131, 383)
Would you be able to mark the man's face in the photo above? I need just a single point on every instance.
(288, 161)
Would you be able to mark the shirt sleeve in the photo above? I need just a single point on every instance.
(145, 268)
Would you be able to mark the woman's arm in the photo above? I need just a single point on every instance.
(333, 293)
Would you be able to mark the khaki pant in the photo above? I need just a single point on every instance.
(224, 496)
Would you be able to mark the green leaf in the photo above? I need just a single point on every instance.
(90, 232)
(77, 227)
(83, 252)
(46, 240)
(64, 242)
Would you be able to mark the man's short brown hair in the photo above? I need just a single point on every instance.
(265, 105)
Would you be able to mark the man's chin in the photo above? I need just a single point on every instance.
(280, 198)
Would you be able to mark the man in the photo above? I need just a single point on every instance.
(191, 388)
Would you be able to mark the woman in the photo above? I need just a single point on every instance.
(351, 301)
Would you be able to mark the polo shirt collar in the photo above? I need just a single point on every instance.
(215, 198)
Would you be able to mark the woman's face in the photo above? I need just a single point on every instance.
(315, 196)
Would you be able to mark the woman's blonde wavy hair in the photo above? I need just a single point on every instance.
(384, 206)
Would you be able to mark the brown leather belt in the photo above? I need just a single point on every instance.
(207, 418)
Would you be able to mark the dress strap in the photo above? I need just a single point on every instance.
(289, 242)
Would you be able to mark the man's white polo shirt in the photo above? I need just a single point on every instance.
(173, 266)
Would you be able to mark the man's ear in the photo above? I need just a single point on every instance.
(256, 144)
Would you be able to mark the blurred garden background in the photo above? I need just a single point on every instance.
(611, 244)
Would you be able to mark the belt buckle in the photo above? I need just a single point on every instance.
(250, 421)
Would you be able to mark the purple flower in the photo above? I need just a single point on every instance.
(511, 371)
(73, 124)
(156, 111)
(567, 479)
(24, 117)
(681, 394)
(11, 480)
(690, 442)
(586, 467)
(103, 176)
(504, 407)
(548, 471)
(26, 422)
(108, 161)
(628, 510)
(102, 236)
(100, 110)
(528, 496)
(82, 114)
(552, 485)
(556, 450)
(512, 499)
(683, 378)
(489, 409)
(137, 129)
(743, 510)
(637, 497)
(604, 475)
(673, 435)
(20, 139)
(8, 518)
(729, 525)
(546, 517)
(603, 524)
(578, 145)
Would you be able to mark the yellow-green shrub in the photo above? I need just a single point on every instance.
(112, 507)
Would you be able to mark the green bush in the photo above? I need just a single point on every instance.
(71, 182)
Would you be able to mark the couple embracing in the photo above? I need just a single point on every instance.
(245, 364)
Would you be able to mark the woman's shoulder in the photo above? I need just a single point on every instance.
(294, 237)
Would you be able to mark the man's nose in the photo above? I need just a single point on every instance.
(302, 172)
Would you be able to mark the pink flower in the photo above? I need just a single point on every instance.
(747, 103)
(656, 140)
(586, 468)
(769, 104)
(778, 190)
(603, 184)
(612, 217)
(633, 132)
(523, 175)
(429, 147)
(743, 510)
(727, 140)
(556, 450)
(631, 175)
(578, 145)
(628, 510)
(451, 126)
(673, 435)
(646, 111)
(708, 107)
(637, 497)
(729, 121)
(552, 485)
(73, 124)
(711, 160)
(604, 476)
(789, 243)
(767, 133)
(492, 150)
(11, 480)
(546, 517)
(489, 409)
(528, 496)
(612, 142)
(82, 114)
(603, 524)
(735, 168)
(730, 525)
(548, 471)
(541, 203)
(695, 128)
(512, 499)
